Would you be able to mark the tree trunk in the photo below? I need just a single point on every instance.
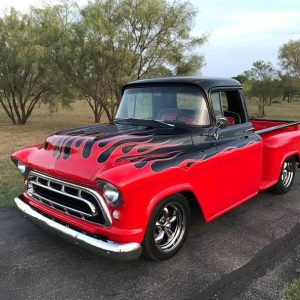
(261, 107)
(108, 113)
(96, 117)
(263, 113)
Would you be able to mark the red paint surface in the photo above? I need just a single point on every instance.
(219, 183)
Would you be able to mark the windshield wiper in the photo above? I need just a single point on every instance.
(180, 124)
(144, 122)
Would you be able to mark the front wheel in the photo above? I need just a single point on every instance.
(286, 177)
(167, 228)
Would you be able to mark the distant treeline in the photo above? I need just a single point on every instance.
(63, 52)
(51, 53)
(264, 83)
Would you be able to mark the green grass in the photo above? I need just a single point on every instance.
(10, 182)
(42, 123)
(292, 292)
(279, 111)
(15, 137)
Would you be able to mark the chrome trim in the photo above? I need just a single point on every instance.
(36, 196)
(110, 249)
(274, 128)
(48, 187)
(100, 200)
(249, 129)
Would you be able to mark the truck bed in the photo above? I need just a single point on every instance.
(268, 127)
(281, 139)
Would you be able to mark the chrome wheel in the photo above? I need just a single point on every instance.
(287, 173)
(170, 227)
(286, 177)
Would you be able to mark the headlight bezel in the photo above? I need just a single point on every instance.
(22, 168)
(111, 193)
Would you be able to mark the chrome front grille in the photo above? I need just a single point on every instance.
(72, 199)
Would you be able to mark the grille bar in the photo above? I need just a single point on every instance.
(69, 198)
(53, 203)
(63, 192)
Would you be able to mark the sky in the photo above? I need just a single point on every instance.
(243, 31)
(240, 31)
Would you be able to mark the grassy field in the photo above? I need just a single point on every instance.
(42, 123)
(279, 111)
(292, 292)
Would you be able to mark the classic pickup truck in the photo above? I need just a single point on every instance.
(125, 188)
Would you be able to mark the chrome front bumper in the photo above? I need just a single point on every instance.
(127, 251)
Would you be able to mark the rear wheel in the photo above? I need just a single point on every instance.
(286, 177)
(167, 228)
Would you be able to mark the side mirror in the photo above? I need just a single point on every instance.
(222, 122)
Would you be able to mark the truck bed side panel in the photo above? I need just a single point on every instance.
(276, 149)
(260, 124)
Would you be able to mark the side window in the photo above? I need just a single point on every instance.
(216, 102)
(232, 105)
(228, 103)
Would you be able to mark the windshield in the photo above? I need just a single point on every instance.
(172, 104)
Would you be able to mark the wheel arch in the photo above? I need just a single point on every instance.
(294, 154)
(286, 176)
(297, 159)
(184, 190)
(273, 162)
(193, 201)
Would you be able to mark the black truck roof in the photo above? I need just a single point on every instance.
(206, 83)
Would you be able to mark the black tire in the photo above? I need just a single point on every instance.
(167, 228)
(286, 177)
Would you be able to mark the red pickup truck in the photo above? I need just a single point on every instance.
(125, 188)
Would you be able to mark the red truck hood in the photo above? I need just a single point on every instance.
(84, 154)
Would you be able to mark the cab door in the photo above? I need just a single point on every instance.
(240, 150)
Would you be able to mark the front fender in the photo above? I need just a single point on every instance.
(24, 154)
(143, 190)
(166, 193)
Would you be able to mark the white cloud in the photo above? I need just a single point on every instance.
(24, 5)
(239, 37)
(256, 27)
(19, 5)
(250, 23)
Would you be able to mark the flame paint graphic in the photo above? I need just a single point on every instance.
(142, 149)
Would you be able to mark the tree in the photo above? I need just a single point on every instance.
(289, 58)
(241, 78)
(114, 41)
(290, 87)
(263, 85)
(27, 74)
(80, 59)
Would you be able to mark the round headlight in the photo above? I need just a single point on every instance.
(21, 167)
(111, 194)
